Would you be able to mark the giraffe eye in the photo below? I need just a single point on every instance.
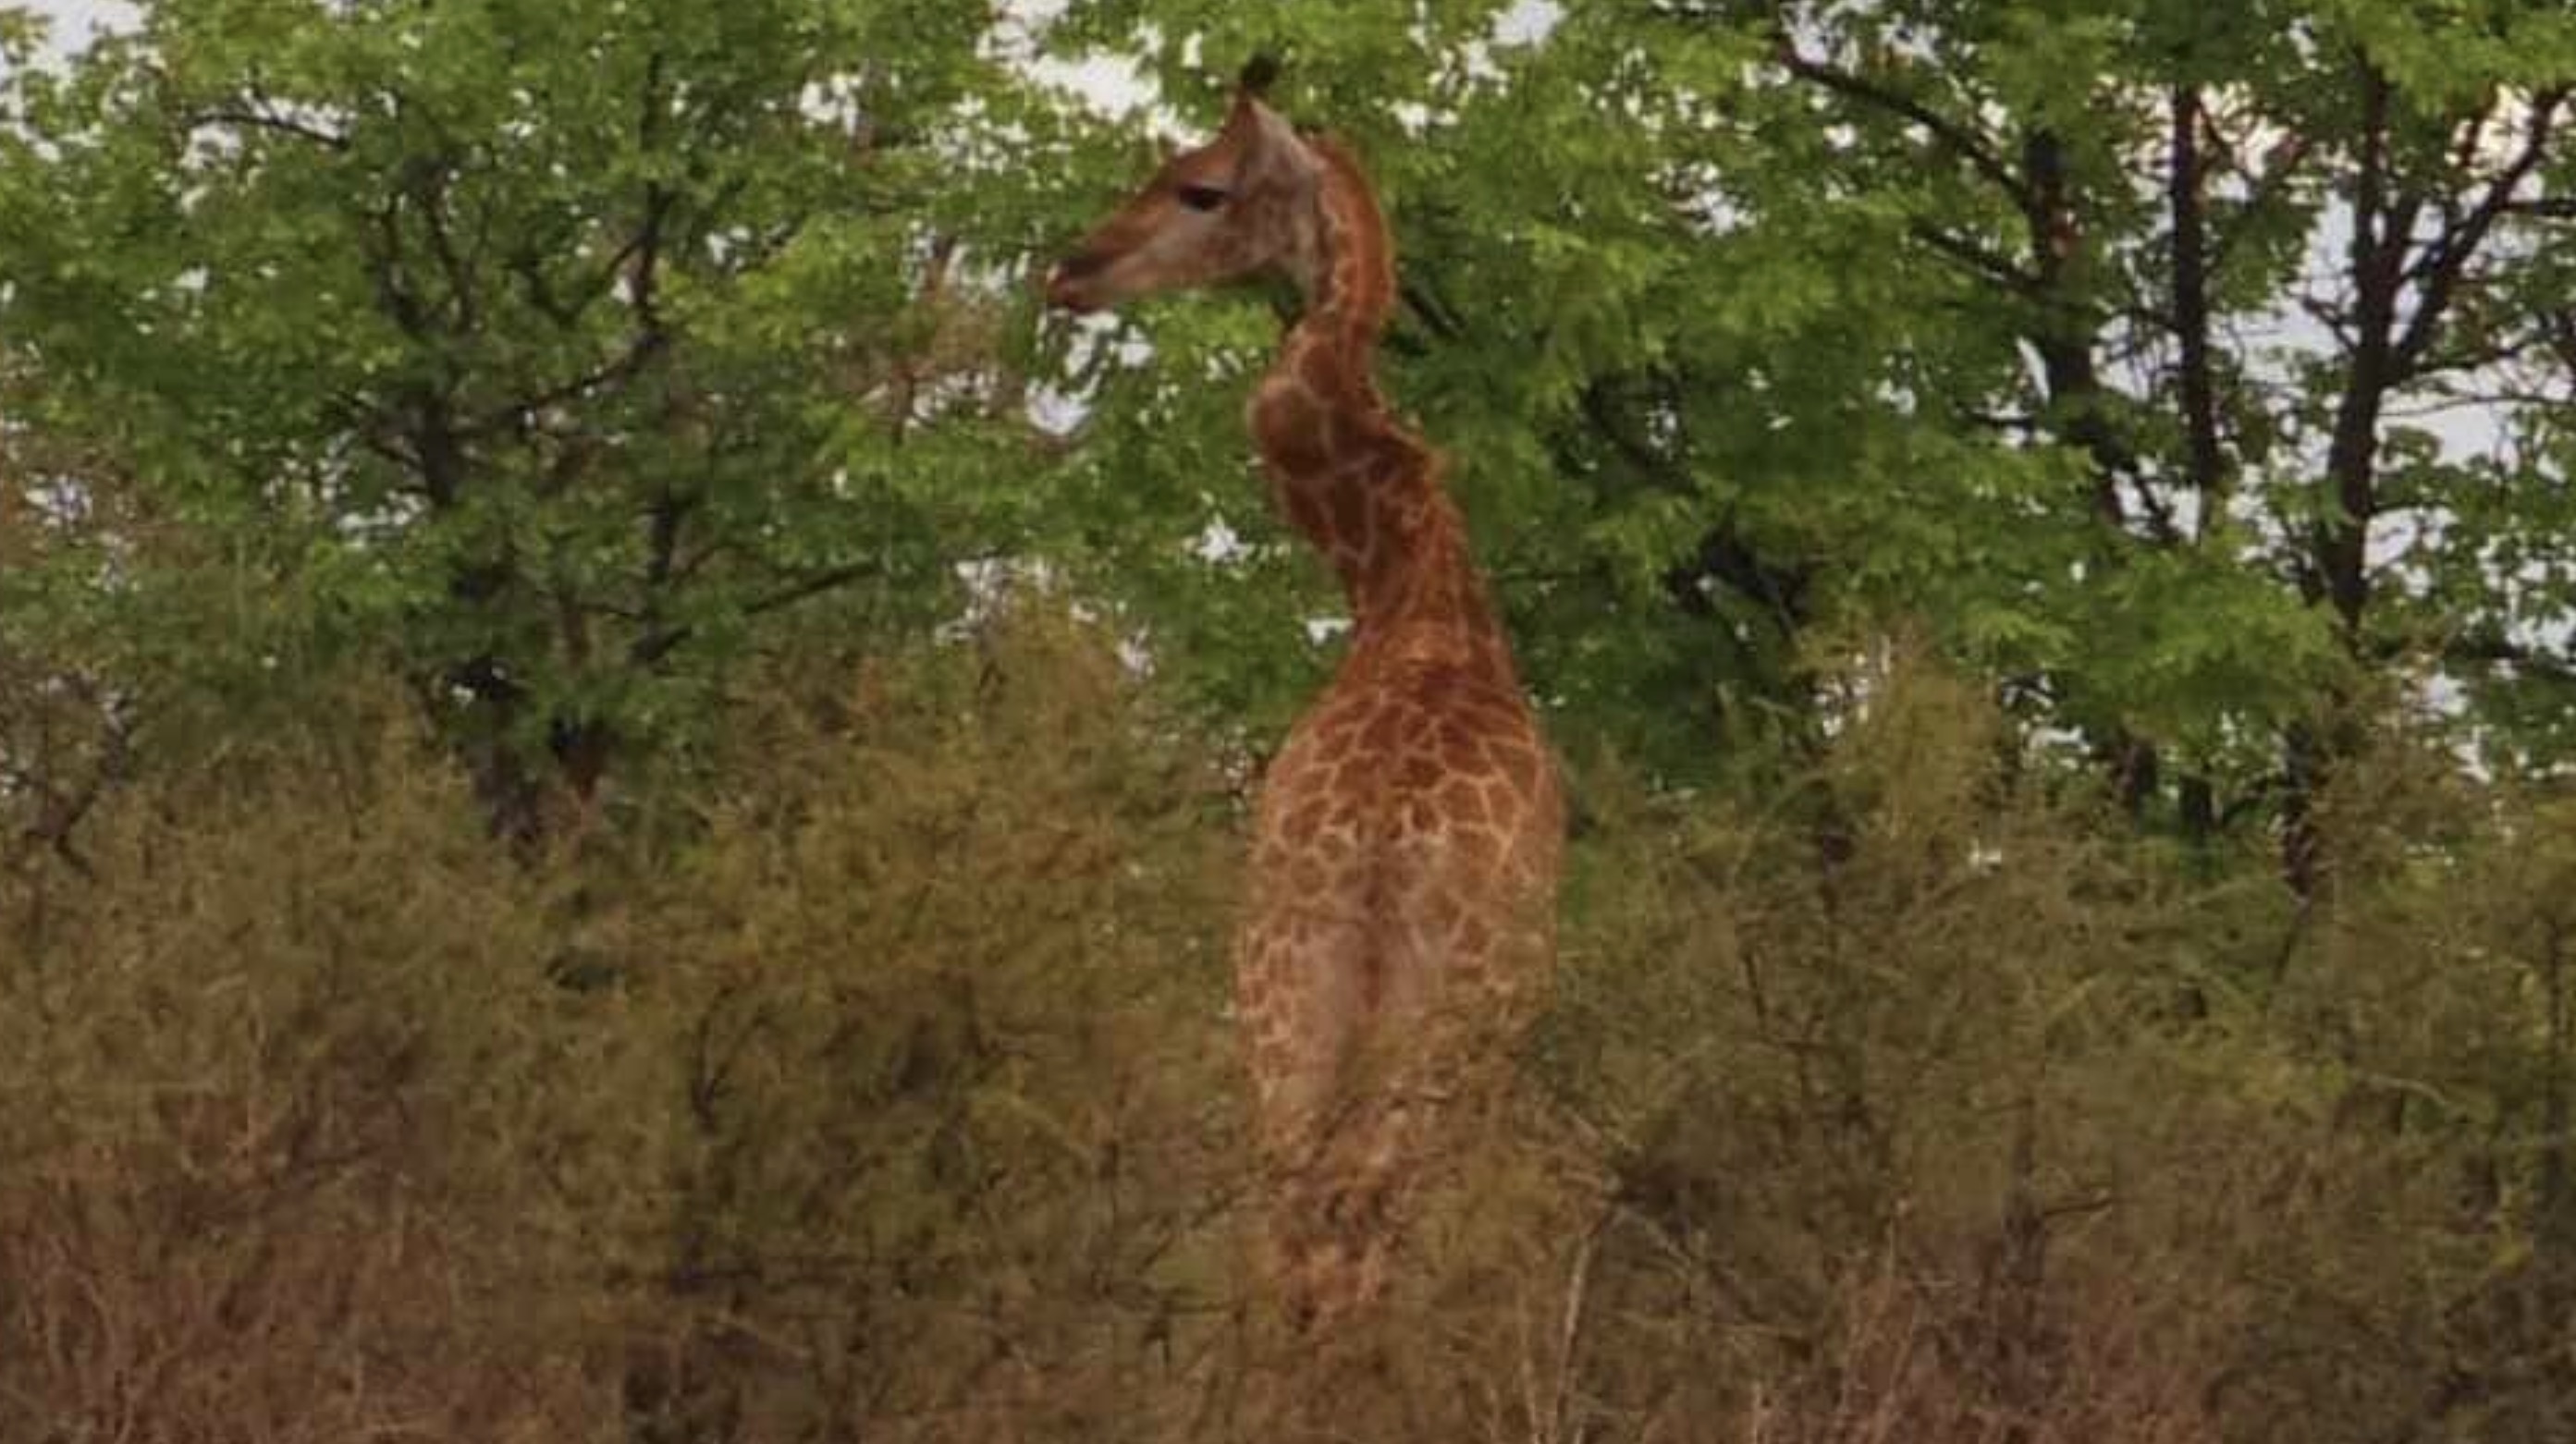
(1202, 198)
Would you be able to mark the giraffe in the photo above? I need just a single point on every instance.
(1400, 918)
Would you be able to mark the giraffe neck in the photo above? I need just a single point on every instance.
(1352, 478)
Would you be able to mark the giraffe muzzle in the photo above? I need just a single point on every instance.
(1067, 285)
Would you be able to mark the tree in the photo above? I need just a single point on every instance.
(67, 726)
(2101, 339)
(544, 352)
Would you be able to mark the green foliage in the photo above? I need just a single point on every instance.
(555, 355)
(539, 352)
(1746, 322)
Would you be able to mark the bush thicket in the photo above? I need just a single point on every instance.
(873, 1081)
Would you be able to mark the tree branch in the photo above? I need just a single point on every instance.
(2495, 650)
(430, 195)
(2287, 159)
(2190, 258)
(2447, 259)
(1976, 149)
(653, 646)
(249, 118)
(1986, 262)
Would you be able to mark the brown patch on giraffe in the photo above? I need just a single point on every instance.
(1383, 731)
(1464, 802)
(1457, 744)
(1318, 370)
(1352, 523)
(1289, 424)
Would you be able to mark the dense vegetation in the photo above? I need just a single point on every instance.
(620, 773)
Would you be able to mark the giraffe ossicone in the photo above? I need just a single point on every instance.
(1400, 924)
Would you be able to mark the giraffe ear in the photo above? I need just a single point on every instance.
(1267, 142)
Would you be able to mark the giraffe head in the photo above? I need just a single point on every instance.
(1239, 206)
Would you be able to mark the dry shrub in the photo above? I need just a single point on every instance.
(1941, 1109)
(1847, 1127)
(894, 1102)
(945, 979)
(258, 1081)
(872, 1081)
(2418, 1279)
(1871, 1068)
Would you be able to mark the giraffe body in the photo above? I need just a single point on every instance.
(1400, 923)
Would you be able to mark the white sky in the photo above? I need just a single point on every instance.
(75, 20)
